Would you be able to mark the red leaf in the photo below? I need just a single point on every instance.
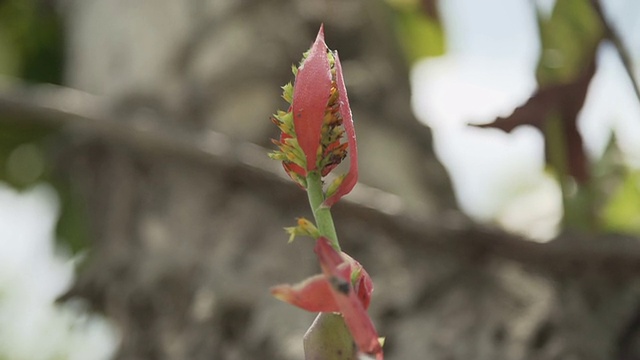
(315, 293)
(311, 93)
(347, 121)
(355, 316)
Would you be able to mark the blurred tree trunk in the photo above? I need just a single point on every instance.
(184, 252)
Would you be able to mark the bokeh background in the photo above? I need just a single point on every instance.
(499, 205)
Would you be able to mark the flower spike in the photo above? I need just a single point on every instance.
(311, 145)
(318, 119)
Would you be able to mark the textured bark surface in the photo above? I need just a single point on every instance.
(184, 252)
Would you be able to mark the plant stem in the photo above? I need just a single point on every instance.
(322, 214)
(577, 200)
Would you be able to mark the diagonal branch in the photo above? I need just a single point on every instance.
(74, 110)
(614, 37)
(451, 232)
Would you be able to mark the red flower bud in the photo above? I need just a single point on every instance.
(318, 117)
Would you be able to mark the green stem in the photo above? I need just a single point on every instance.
(577, 199)
(322, 214)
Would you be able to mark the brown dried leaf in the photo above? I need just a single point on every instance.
(564, 100)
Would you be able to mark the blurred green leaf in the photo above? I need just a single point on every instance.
(31, 41)
(622, 213)
(31, 47)
(571, 33)
(569, 40)
(420, 35)
(418, 29)
(25, 159)
(21, 147)
(73, 226)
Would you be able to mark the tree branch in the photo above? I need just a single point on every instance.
(614, 37)
(569, 254)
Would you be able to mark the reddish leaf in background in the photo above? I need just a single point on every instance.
(564, 99)
(430, 7)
